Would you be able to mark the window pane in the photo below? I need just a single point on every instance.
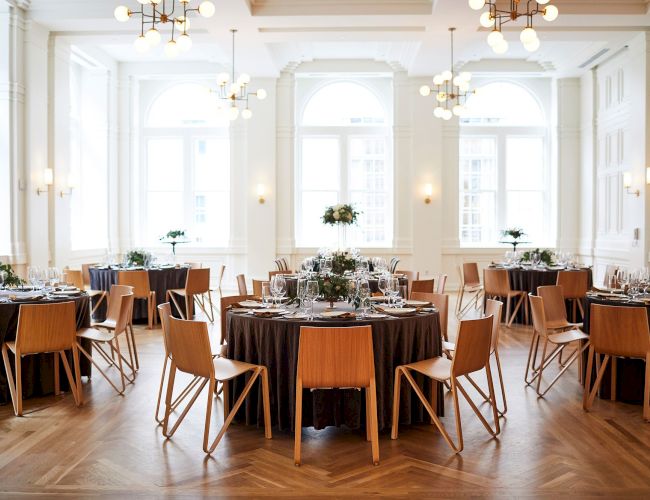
(503, 104)
(212, 164)
(164, 212)
(344, 104)
(165, 164)
(526, 210)
(211, 220)
(186, 105)
(312, 231)
(524, 163)
(320, 163)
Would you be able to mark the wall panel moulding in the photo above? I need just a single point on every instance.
(339, 7)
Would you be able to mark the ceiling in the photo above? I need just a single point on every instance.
(411, 34)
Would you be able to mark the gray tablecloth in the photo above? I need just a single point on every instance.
(274, 344)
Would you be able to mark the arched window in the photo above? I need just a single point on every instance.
(185, 174)
(504, 167)
(344, 153)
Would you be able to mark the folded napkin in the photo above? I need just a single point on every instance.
(237, 305)
(21, 294)
(265, 314)
(347, 315)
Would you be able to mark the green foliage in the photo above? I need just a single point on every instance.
(340, 214)
(546, 256)
(11, 278)
(514, 232)
(172, 235)
(333, 287)
(138, 258)
(342, 261)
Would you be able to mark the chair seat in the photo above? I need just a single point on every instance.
(448, 346)
(178, 291)
(472, 288)
(95, 293)
(225, 369)
(568, 336)
(436, 368)
(560, 325)
(11, 345)
(110, 324)
(95, 335)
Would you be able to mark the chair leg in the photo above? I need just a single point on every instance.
(646, 391)
(225, 389)
(612, 389)
(71, 380)
(77, 373)
(160, 389)
(396, 399)
(587, 390)
(57, 379)
(477, 412)
(266, 403)
(459, 427)
(532, 355)
(135, 348)
(298, 422)
(374, 434)
(599, 380)
(367, 398)
(503, 389)
(10, 378)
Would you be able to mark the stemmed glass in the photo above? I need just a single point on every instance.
(364, 296)
(622, 277)
(536, 258)
(267, 295)
(393, 290)
(382, 283)
(353, 290)
(33, 275)
(53, 276)
(326, 265)
(311, 294)
(3, 277)
(279, 287)
(301, 292)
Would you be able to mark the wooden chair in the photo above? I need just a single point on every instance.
(139, 280)
(496, 285)
(411, 276)
(472, 354)
(44, 328)
(421, 286)
(99, 338)
(220, 272)
(241, 284)
(441, 302)
(575, 285)
(257, 287)
(559, 341)
(273, 273)
(195, 265)
(102, 294)
(610, 270)
(335, 358)
(282, 264)
(441, 283)
(73, 277)
(392, 265)
(224, 303)
(197, 290)
(470, 283)
(190, 353)
(617, 331)
(555, 308)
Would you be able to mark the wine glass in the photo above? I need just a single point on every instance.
(622, 277)
(279, 287)
(535, 258)
(382, 283)
(353, 291)
(267, 296)
(364, 296)
(327, 265)
(301, 291)
(3, 277)
(311, 294)
(393, 289)
(53, 276)
(32, 276)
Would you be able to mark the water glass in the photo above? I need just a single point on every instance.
(32, 276)
(382, 283)
(53, 276)
(353, 291)
(301, 291)
(311, 294)
(267, 296)
(3, 277)
(364, 296)
(393, 290)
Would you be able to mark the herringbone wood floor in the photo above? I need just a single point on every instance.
(112, 447)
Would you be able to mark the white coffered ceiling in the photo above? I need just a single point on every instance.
(409, 33)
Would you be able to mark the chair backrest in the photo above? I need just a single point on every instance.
(574, 283)
(46, 327)
(610, 270)
(410, 275)
(470, 274)
(537, 312)
(74, 277)
(442, 282)
(224, 303)
(220, 271)
(198, 281)
(493, 308)
(619, 330)
(189, 347)
(554, 306)
(472, 346)
(441, 301)
(164, 313)
(85, 272)
(282, 264)
(336, 357)
(273, 273)
(139, 280)
(125, 314)
(257, 287)
(241, 284)
(496, 282)
(195, 265)
(421, 286)
(114, 302)
(392, 266)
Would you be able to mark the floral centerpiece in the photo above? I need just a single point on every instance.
(341, 216)
(333, 288)
(172, 235)
(545, 256)
(342, 261)
(515, 233)
(10, 277)
(138, 258)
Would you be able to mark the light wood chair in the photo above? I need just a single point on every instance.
(558, 341)
(472, 355)
(335, 358)
(101, 294)
(282, 264)
(441, 281)
(257, 287)
(411, 276)
(555, 308)
(421, 286)
(441, 302)
(73, 277)
(241, 284)
(617, 331)
(99, 338)
(392, 265)
(470, 284)
(195, 265)
(44, 328)
(196, 291)
(225, 302)
(273, 273)
(220, 272)
(190, 351)
(575, 285)
(139, 280)
(496, 284)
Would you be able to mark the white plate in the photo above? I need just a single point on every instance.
(296, 316)
(401, 311)
(240, 310)
(66, 293)
(251, 304)
(376, 316)
(608, 290)
(274, 312)
(332, 314)
(417, 303)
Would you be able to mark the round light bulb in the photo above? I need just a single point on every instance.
(233, 113)
(477, 4)
(438, 80)
(458, 110)
(171, 49)
(543, 2)
(486, 20)
(156, 2)
(551, 13)
(438, 112)
(425, 90)
(234, 88)
(527, 35)
(532, 46)
(457, 81)
(153, 37)
(466, 75)
(494, 38)
(441, 96)
(246, 114)
(183, 24)
(141, 44)
(501, 48)
(464, 86)
(261, 94)
(184, 43)
(144, 2)
(447, 75)
(206, 9)
(244, 78)
(121, 13)
(447, 114)
(223, 78)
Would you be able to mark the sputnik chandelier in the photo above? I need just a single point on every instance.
(450, 90)
(494, 18)
(154, 13)
(232, 96)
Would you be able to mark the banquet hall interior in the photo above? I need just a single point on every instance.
(264, 248)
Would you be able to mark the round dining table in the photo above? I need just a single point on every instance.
(38, 369)
(161, 279)
(273, 342)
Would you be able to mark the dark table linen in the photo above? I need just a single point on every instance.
(38, 369)
(274, 344)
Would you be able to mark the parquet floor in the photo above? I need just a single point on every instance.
(111, 447)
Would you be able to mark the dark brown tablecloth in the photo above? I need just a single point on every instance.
(630, 373)
(274, 344)
(160, 280)
(38, 369)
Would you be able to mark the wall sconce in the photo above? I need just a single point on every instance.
(627, 184)
(72, 184)
(261, 191)
(428, 193)
(48, 180)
